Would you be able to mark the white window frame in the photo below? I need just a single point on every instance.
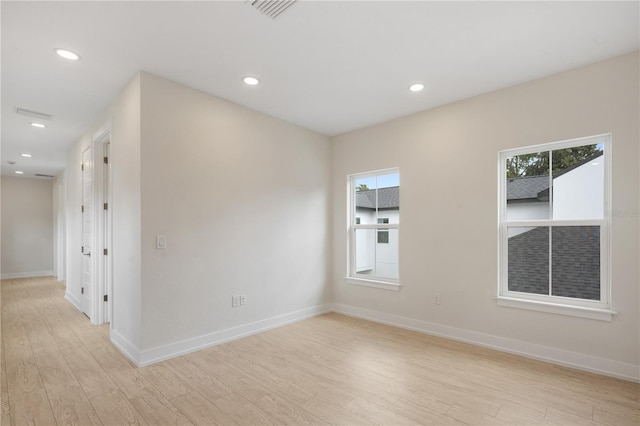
(353, 278)
(600, 309)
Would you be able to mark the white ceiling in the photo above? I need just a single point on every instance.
(331, 66)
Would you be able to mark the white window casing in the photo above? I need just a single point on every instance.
(372, 263)
(601, 308)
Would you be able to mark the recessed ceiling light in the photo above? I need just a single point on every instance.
(250, 81)
(26, 155)
(67, 54)
(39, 125)
(19, 172)
(416, 87)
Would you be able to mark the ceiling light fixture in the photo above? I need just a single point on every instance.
(19, 172)
(26, 155)
(250, 81)
(39, 125)
(416, 87)
(67, 54)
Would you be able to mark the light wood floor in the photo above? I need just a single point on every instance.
(59, 369)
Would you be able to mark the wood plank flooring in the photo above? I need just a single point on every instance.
(57, 368)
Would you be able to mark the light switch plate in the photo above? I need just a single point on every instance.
(161, 241)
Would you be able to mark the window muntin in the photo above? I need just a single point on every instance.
(374, 226)
(553, 226)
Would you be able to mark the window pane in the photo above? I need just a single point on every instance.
(387, 256)
(376, 202)
(528, 259)
(376, 258)
(527, 188)
(365, 251)
(575, 261)
(388, 197)
(578, 182)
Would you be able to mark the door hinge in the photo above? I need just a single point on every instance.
(82, 290)
(82, 249)
(106, 252)
(82, 167)
(106, 160)
(105, 298)
(105, 206)
(82, 209)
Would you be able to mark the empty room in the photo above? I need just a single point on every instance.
(320, 212)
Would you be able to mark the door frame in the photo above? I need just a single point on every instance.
(103, 265)
(87, 296)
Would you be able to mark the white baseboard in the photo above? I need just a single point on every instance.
(129, 350)
(30, 274)
(575, 360)
(73, 300)
(161, 353)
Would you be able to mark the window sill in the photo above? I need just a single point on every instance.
(385, 285)
(554, 308)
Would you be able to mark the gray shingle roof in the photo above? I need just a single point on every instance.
(575, 268)
(388, 198)
(537, 187)
(527, 188)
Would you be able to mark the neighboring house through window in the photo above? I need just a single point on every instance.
(554, 230)
(374, 218)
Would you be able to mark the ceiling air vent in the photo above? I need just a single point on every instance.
(271, 8)
(40, 175)
(33, 114)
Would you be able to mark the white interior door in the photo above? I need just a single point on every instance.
(87, 231)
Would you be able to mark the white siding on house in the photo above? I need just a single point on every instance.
(373, 258)
(579, 193)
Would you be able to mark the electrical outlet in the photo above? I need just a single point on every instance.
(436, 298)
(238, 300)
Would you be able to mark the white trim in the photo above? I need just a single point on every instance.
(129, 350)
(375, 283)
(29, 274)
(607, 367)
(171, 350)
(73, 300)
(556, 308)
(101, 226)
(575, 360)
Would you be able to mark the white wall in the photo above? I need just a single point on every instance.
(73, 220)
(27, 227)
(579, 194)
(125, 157)
(243, 200)
(528, 211)
(59, 227)
(448, 234)
(124, 112)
